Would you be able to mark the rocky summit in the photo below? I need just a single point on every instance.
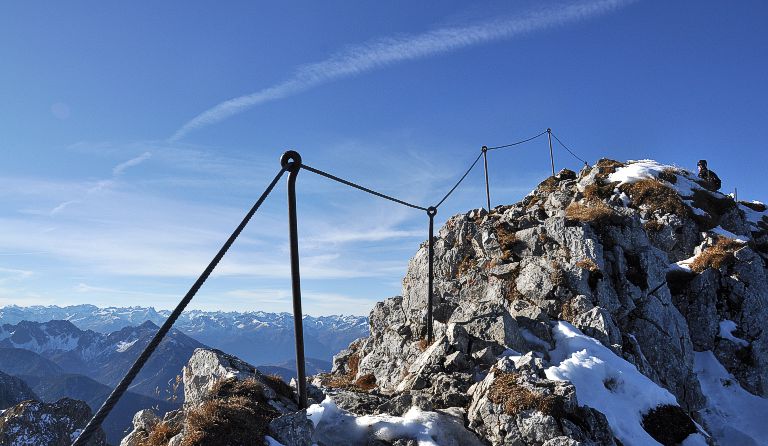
(622, 305)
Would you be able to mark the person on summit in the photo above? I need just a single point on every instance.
(711, 180)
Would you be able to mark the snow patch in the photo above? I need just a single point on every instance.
(728, 234)
(607, 383)
(337, 426)
(726, 332)
(733, 415)
(123, 346)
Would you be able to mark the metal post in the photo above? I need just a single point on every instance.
(292, 160)
(487, 187)
(431, 212)
(551, 155)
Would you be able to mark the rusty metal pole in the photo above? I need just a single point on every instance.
(431, 212)
(551, 155)
(487, 186)
(292, 160)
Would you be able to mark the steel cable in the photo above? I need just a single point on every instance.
(459, 182)
(121, 388)
(518, 142)
(362, 188)
(569, 150)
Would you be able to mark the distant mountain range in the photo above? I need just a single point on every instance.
(103, 357)
(82, 351)
(257, 337)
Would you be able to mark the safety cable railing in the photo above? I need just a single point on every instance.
(291, 162)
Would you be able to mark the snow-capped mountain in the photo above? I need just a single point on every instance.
(259, 337)
(104, 358)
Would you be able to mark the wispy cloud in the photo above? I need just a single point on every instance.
(383, 52)
(120, 168)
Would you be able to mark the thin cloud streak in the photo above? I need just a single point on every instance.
(120, 168)
(383, 52)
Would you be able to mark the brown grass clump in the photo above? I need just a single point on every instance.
(464, 266)
(515, 398)
(281, 387)
(423, 344)
(668, 424)
(160, 434)
(567, 312)
(506, 237)
(347, 381)
(593, 213)
(588, 264)
(594, 271)
(656, 197)
(549, 185)
(653, 226)
(717, 255)
(366, 382)
(608, 165)
(596, 192)
(668, 175)
(238, 414)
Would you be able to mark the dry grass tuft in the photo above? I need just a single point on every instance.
(656, 197)
(515, 398)
(237, 414)
(653, 226)
(347, 381)
(366, 382)
(549, 185)
(595, 212)
(465, 264)
(597, 192)
(588, 264)
(160, 434)
(717, 255)
(281, 387)
(668, 175)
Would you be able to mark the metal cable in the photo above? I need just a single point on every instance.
(569, 150)
(359, 187)
(460, 180)
(518, 142)
(118, 392)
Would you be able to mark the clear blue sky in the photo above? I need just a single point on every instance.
(114, 193)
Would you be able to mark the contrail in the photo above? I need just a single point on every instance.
(379, 53)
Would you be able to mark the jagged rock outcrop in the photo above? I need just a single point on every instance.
(226, 401)
(593, 250)
(571, 318)
(43, 424)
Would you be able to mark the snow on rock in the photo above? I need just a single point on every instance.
(640, 170)
(728, 234)
(123, 346)
(337, 426)
(726, 332)
(607, 383)
(733, 415)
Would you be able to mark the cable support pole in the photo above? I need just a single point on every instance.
(551, 154)
(113, 398)
(431, 212)
(487, 186)
(291, 161)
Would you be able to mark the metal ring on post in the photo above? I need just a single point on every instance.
(291, 161)
(431, 212)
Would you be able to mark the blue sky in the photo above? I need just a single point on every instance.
(123, 166)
